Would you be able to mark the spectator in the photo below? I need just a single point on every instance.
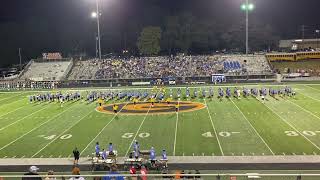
(76, 172)
(198, 176)
(50, 173)
(143, 172)
(112, 172)
(33, 171)
(76, 155)
(133, 172)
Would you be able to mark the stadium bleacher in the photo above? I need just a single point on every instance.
(46, 71)
(165, 66)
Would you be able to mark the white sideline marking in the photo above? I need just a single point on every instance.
(14, 156)
(294, 154)
(103, 128)
(253, 127)
(284, 153)
(23, 118)
(314, 153)
(34, 128)
(134, 138)
(5, 156)
(69, 156)
(214, 129)
(61, 134)
(192, 154)
(23, 156)
(202, 154)
(175, 135)
(292, 127)
(182, 154)
(305, 110)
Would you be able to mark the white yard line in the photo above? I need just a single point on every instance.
(12, 97)
(23, 118)
(312, 88)
(253, 127)
(103, 129)
(61, 134)
(35, 128)
(135, 136)
(292, 126)
(214, 129)
(309, 96)
(175, 135)
(12, 111)
(311, 113)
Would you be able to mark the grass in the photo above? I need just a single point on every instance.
(235, 127)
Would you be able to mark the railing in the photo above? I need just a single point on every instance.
(117, 176)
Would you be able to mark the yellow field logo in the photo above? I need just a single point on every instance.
(142, 108)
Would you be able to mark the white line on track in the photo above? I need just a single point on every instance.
(135, 136)
(311, 113)
(61, 134)
(292, 126)
(214, 129)
(23, 118)
(35, 128)
(175, 135)
(103, 128)
(253, 127)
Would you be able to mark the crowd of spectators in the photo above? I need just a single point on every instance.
(166, 66)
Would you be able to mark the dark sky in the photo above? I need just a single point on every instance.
(51, 21)
(286, 15)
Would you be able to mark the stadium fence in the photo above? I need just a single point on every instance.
(173, 176)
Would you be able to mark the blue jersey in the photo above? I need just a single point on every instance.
(152, 154)
(97, 148)
(104, 155)
(164, 155)
(110, 147)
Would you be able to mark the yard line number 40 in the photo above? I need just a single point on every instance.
(307, 133)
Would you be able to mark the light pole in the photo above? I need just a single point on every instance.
(247, 7)
(317, 33)
(97, 16)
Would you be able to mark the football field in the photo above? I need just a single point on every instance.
(228, 127)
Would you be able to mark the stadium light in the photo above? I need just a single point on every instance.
(97, 15)
(317, 37)
(247, 7)
(94, 15)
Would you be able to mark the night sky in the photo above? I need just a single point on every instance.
(286, 16)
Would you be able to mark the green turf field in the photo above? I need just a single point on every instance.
(231, 127)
